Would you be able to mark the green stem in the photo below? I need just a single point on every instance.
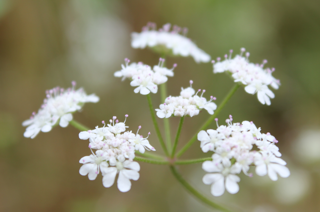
(153, 115)
(166, 123)
(78, 125)
(177, 137)
(211, 118)
(194, 192)
(150, 155)
(159, 162)
(163, 89)
(185, 162)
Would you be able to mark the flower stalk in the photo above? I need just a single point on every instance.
(78, 126)
(194, 192)
(208, 122)
(153, 116)
(177, 137)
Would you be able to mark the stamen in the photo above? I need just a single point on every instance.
(125, 119)
(216, 119)
(230, 53)
(138, 129)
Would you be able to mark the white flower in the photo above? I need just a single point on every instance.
(145, 84)
(254, 77)
(188, 103)
(128, 170)
(143, 77)
(93, 164)
(58, 106)
(210, 139)
(271, 165)
(168, 42)
(115, 147)
(165, 111)
(42, 121)
(233, 147)
(141, 143)
(264, 93)
(223, 177)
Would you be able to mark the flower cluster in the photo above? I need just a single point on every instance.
(143, 77)
(188, 103)
(115, 150)
(58, 106)
(233, 152)
(168, 42)
(254, 77)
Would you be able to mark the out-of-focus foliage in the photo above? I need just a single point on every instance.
(44, 44)
(4, 7)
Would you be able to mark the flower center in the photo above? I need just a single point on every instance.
(119, 166)
(225, 172)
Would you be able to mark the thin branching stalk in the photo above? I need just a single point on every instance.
(159, 162)
(78, 126)
(153, 115)
(208, 122)
(191, 161)
(163, 89)
(150, 155)
(177, 137)
(194, 192)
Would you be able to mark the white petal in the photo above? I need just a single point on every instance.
(160, 113)
(141, 148)
(261, 97)
(132, 165)
(137, 89)
(261, 170)
(217, 188)
(203, 136)
(86, 168)
(31, 133)
(267, 100)
(109, 177)
(269, 93)
(271, 172)
(153, 88)
(27, 122)
(278, 160)
(92, 98)
(250, 89)
(46, 128)
(281, 170)
(84, 135)
(209, 166)
(231, 184)
(124, 183)
(93, 174)
(64, 120)
(211, 178)
(144, 91)
(131, 174)
(86, 159)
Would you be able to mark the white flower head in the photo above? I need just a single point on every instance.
(141, 143)
(234, 146)
(93, 164)
(222, 177)
(168, 42)
(188, 103)
(128, 170)
(254, 77)
(145, 79)
(115, 153)
(57, 107)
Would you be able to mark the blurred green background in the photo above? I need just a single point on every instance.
(48, 43)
